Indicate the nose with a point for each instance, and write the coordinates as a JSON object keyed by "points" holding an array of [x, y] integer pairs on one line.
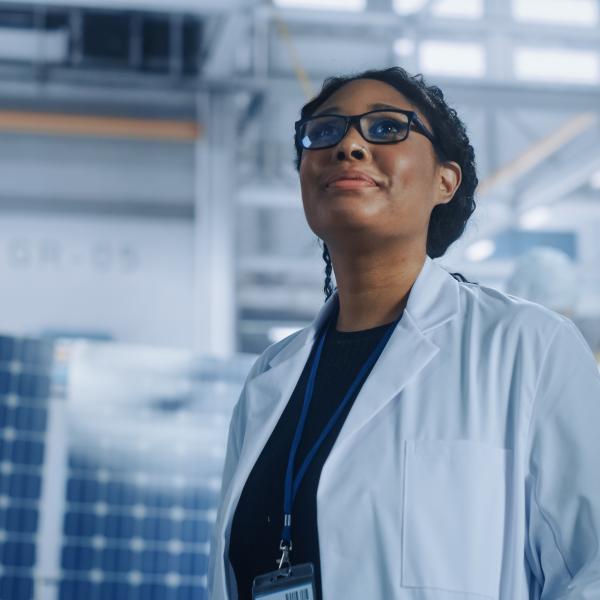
{"points": [[352, 146]]}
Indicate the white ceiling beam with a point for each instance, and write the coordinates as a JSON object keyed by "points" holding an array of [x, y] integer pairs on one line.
{"points": [[538, 152], [562, 180], [190, 6]]}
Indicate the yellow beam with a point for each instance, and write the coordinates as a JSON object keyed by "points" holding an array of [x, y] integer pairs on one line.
{"points": [[98, 126]]}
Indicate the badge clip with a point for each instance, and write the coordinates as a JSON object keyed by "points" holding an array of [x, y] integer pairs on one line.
{"points": [[285, 555]]}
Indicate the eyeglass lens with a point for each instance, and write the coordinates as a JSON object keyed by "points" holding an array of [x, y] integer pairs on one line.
{"points": [[378, 127]]}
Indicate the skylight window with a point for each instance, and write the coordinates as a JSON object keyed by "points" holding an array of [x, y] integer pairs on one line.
{"points": [[563, 12], [466, 9], [452, 58], [407, 7], [345, 5], [557, 65]]}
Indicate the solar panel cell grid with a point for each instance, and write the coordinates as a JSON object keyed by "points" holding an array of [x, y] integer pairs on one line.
{"points": [[21, 486], [33, 385], [25, 384], [22, 452], [23, 418], [18, 519], [16, 587], [29, 385], [109, 590], [17, 554], [7, 348]]}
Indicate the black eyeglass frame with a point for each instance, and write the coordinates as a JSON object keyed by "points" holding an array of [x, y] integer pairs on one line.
{"points": [[414, 123]]}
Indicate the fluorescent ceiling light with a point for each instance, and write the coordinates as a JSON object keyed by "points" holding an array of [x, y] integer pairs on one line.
{"points": [[557, 65], [480, 250], [466, 9], [535, 218], [407, 7], [404, 47], [452, 58], [345, 5], [562, 12]]}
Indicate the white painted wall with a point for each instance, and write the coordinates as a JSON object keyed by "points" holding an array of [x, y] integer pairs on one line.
{"points": [[129, 278], [90, 170]]}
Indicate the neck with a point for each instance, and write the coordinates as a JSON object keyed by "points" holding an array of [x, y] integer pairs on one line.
{"points": [[373, 289]]}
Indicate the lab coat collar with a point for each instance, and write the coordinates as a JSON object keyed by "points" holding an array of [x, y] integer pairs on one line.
{"points": [[433, 300]]}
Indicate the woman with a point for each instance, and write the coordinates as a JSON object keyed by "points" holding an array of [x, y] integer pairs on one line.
{"points": [[424, 438]]}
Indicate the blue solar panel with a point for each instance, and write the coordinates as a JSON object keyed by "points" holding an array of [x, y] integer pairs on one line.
{"points": [[25, 386], [33, 385], [19, 519], [17, 554], [16, 587], [78, 557], [22, 452], [27, 418], [136, 514], [21, 486], [8, 347]]}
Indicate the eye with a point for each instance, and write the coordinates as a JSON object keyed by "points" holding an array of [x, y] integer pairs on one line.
{"points": [[382, 126], [387, 128], [322, 131]]}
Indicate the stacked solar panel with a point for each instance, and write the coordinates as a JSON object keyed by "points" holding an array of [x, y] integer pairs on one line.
{"points": [[147, 431], [134, 540], [110, 462], [25, 387]]}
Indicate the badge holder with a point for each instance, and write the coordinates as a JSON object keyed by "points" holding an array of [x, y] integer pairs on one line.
{"points": [[290, 583]]}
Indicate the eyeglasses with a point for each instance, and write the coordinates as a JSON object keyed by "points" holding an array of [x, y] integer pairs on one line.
{"points": [[382, 126]]}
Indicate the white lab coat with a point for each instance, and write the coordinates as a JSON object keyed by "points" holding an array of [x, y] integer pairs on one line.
{"points": [[468, 467]]}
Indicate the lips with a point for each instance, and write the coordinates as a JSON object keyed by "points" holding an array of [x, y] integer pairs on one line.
{"points": [[350, 180]]}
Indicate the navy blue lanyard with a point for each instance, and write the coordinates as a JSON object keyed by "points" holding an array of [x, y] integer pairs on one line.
{"points": [[293, 483]]}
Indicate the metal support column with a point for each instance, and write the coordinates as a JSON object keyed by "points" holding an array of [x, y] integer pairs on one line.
{"points": [[214, 227]]}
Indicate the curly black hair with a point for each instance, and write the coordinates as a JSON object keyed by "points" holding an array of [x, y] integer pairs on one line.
{"points": [[448, 221]]}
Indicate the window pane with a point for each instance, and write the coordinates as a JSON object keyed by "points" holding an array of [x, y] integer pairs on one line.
{"points": [[557, 64], [452, 58], [564, 12]]}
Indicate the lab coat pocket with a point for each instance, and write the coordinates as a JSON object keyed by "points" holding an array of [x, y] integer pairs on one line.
{"points": [[454, 513]]}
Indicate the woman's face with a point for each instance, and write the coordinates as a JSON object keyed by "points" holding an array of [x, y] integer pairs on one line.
{"points": [[407, 180]]}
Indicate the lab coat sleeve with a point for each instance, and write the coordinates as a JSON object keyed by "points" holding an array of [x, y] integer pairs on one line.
{"points": [[563, 481], [232, 454]]}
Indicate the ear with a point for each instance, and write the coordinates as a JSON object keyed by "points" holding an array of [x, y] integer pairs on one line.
{"points": [[448, 179]]}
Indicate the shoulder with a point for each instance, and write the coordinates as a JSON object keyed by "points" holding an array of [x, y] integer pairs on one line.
{"points": [[498, 310]]}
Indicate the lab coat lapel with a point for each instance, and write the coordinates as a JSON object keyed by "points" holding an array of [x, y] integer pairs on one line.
{"points": [[433, 300], [266, 397]]}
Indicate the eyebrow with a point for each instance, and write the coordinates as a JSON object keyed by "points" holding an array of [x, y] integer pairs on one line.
{"points": [[375, 106]]}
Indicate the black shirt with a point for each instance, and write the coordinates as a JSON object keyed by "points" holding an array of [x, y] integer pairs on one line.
{"points": [[258, 519]]}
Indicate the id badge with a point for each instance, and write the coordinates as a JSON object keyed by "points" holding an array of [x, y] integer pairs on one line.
{"points": [[290, 583]]}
